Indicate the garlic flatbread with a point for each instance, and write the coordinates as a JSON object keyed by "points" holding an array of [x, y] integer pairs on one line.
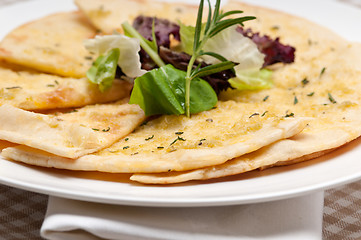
{"points": [[323, 83], [108, 15], [73, 134], [178, 143], [53, 44], [31, 90], [248, 129], [302, 147]]}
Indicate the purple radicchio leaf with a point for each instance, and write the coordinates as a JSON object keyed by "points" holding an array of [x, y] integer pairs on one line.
{"points": [[163, 28], [274, 50]]}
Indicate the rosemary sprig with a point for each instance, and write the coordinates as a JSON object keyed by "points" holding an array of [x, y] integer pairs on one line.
{"points": [[214, 25]]}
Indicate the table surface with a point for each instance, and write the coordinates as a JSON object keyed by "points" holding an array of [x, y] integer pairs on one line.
{"points": [[22, 212]]}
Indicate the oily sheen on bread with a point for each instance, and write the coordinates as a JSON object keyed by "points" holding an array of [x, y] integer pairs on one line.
{"points": [[53, 44], [104, 14], [179, 143], [323, 83], [70, 134], [32, 90], [313, 107]]}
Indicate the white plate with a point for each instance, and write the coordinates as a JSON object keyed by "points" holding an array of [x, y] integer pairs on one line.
{"points": [[340, 167]]}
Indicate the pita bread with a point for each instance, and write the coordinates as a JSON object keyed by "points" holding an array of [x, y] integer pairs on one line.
{"points": [[32, 90], [178, 143], [53, 44], [6, 144], [108, 15], [331, 94], [71, 134], [285, 152], [322, 84]]}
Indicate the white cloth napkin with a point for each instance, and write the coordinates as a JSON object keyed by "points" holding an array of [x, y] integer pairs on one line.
{"points": [[297, 218]]}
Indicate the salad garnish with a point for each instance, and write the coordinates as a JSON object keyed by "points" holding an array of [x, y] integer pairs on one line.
{"points": [[211, 57], [215, 24], [273, 50], [150, 47], [103, 70]]}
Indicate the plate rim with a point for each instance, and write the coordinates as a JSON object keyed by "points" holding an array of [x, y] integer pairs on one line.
{"points": [[217, 201]]}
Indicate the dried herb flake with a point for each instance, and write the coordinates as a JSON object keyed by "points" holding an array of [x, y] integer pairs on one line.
{"points": [[254, 114], [305, 81], [289, 115], [176, 140], [106, 130], [15, 87], [201, 141], [295, 100], [151, 137], [331, 98]]}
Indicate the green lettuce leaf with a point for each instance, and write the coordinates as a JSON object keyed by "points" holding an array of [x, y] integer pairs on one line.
{"points": [[128, 61], [103, 70], [187, 38], [252, 80], [162, 91]]}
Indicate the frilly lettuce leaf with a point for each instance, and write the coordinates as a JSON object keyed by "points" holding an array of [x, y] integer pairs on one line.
{"points": [[129, 60], [236, 48], [103, 70], [252, 80]]}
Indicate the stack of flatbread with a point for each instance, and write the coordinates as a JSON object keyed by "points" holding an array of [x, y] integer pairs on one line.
{"points": [[58, 119]]}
